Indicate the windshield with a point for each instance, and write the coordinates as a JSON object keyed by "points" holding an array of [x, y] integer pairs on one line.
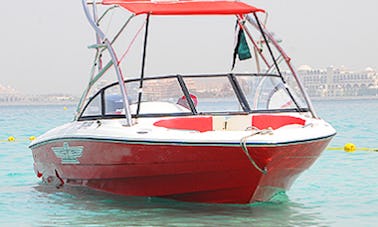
{"points": [[192, 94]]}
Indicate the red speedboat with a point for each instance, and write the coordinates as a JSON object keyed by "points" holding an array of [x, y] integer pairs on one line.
{"points": [[232, 137]]}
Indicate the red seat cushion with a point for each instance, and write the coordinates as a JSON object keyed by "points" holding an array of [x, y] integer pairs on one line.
{"points": [[201, 124], [275, 121]]}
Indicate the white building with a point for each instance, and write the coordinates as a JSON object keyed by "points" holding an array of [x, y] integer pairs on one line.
{"points": [[9, 94], [333, 82]]}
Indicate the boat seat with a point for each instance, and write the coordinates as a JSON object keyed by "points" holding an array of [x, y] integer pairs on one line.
{"points": [[209, 123], [201, 124], [275, 121]]}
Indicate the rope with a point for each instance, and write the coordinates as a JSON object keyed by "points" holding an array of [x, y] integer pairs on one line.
{"points": [[131, 43], [350, 148], [243, 144]]}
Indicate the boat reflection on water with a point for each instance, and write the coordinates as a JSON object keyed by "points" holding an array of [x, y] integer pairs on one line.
{"points": [[135, 210]]}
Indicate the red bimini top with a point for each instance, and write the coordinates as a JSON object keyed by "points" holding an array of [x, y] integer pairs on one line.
{"points": [[184, 7]]}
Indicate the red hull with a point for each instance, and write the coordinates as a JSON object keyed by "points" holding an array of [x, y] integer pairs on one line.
{"points": [[200, 173]]}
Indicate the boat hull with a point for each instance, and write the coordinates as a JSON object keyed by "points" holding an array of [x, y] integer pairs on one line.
{"points": [[211, 173]]}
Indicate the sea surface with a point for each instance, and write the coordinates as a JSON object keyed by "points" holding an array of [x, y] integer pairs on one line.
{"points": [[340, 189]]}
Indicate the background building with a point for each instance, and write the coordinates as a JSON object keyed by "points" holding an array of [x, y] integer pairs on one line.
{"points": [[9, 94], [335, 82]]}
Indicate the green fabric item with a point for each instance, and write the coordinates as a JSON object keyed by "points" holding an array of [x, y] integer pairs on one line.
{"points": [[243, 49]]}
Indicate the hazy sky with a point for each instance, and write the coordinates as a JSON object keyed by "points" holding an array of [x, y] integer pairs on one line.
{"points": [[44, 42]]}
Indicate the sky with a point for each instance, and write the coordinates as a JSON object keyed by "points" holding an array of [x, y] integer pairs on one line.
{"points": [[44, 42]]}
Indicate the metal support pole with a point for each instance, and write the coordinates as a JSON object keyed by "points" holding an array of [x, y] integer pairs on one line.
{"points": [[240, 22], [274, 60], [113, 56], [267, 45], [140, 92], [287, 60]]}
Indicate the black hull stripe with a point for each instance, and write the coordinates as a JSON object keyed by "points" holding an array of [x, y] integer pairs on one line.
{"points": [[177, 143]]}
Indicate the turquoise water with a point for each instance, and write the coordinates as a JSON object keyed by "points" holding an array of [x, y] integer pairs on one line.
{"points": [[341, 189]]}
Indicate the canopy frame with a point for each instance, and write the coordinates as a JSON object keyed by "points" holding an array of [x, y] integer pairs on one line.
{"points": [[103, 43]]}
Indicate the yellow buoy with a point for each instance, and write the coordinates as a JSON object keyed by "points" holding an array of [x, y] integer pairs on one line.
{"points": [[11, 139], [31, 138], [349, 147], [64, 108]]}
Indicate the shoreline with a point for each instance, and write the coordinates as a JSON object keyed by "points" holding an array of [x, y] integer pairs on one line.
{"points": [[39, 104], [344, 98], [72, 103]]}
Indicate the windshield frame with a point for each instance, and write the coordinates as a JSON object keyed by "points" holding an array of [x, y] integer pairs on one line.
{"points": [[232, 78]]}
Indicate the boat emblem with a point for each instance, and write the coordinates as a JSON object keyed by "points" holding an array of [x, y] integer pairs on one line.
{"points": [[69, 155]]}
